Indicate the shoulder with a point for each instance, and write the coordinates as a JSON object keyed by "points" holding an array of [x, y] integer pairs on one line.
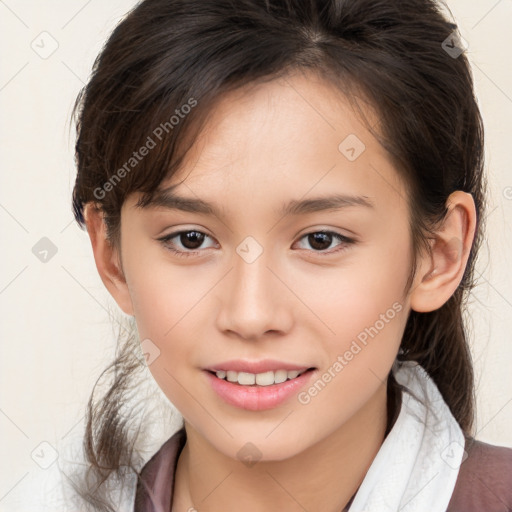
{"points": [[485, 479]]}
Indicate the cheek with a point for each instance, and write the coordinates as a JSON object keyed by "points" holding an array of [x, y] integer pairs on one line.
{"points": [[164, 295], [366, 318], [161, 311], [167, 302], [360, 307]]}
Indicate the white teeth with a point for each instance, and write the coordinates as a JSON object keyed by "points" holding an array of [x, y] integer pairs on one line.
{"points": [[246, 379], [261, 379], [280, 376], [265, 379], [232, 376]]}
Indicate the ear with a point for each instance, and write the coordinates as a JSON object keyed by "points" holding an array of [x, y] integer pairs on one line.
{"points": [[107, 258], [440, 272]]}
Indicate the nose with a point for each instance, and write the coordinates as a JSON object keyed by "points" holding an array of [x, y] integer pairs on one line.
{"points": [[253, 300]]}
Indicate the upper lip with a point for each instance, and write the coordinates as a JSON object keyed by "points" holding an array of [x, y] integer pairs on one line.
{"points": [[266, 365]]}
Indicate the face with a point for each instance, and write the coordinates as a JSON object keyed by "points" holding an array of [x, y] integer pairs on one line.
{"points": [[319, 286]]}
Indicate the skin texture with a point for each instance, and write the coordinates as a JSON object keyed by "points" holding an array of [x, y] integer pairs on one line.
{"points": [[262, 147]]}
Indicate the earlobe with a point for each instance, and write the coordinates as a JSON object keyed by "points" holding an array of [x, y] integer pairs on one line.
{"points": [[107, 258], [442, 270]]}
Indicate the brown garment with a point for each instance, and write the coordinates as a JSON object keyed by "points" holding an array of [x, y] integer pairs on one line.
{"points": [[157, 475], [484, 483]]}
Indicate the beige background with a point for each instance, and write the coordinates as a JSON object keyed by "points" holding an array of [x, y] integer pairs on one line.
{"points": [[56, 332]]}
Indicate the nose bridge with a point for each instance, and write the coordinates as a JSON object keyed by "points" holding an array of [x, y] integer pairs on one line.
{"points": [[251, 280], [252, 283], [252, 301]]}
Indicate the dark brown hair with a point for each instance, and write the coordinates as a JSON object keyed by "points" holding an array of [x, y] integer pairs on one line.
{"points": [[390, 55]]}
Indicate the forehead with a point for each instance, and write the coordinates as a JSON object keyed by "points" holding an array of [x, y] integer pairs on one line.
{"points": [[286, 139]]}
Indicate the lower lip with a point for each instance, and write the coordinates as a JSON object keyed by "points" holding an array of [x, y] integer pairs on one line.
{"points": [[257, 398]]}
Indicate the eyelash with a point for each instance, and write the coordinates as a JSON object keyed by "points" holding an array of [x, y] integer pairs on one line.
{"points": [[345, 242]]}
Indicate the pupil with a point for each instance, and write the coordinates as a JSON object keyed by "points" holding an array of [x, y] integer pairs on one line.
{"points": [[193, 237], [316, 238]]}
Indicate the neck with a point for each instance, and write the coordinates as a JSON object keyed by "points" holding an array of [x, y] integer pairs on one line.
{"points": [[330, 471]]}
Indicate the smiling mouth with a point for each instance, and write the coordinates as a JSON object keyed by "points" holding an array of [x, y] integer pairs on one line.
{"points": [[269, 378]]}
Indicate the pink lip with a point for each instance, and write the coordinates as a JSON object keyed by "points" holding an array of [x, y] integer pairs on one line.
{"points": [[257, 398], [266, 365]]}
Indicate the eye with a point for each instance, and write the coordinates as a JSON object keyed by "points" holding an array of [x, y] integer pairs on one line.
{"points": [[188, 242], [321, 240]]}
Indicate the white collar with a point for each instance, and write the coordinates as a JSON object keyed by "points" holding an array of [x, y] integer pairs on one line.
{"points": [[418, 463]]}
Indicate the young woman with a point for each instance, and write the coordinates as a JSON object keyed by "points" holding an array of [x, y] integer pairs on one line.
{"points": [[288, 198]]}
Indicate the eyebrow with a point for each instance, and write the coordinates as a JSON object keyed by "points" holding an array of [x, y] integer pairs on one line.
{"points": [[170, 200]]}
